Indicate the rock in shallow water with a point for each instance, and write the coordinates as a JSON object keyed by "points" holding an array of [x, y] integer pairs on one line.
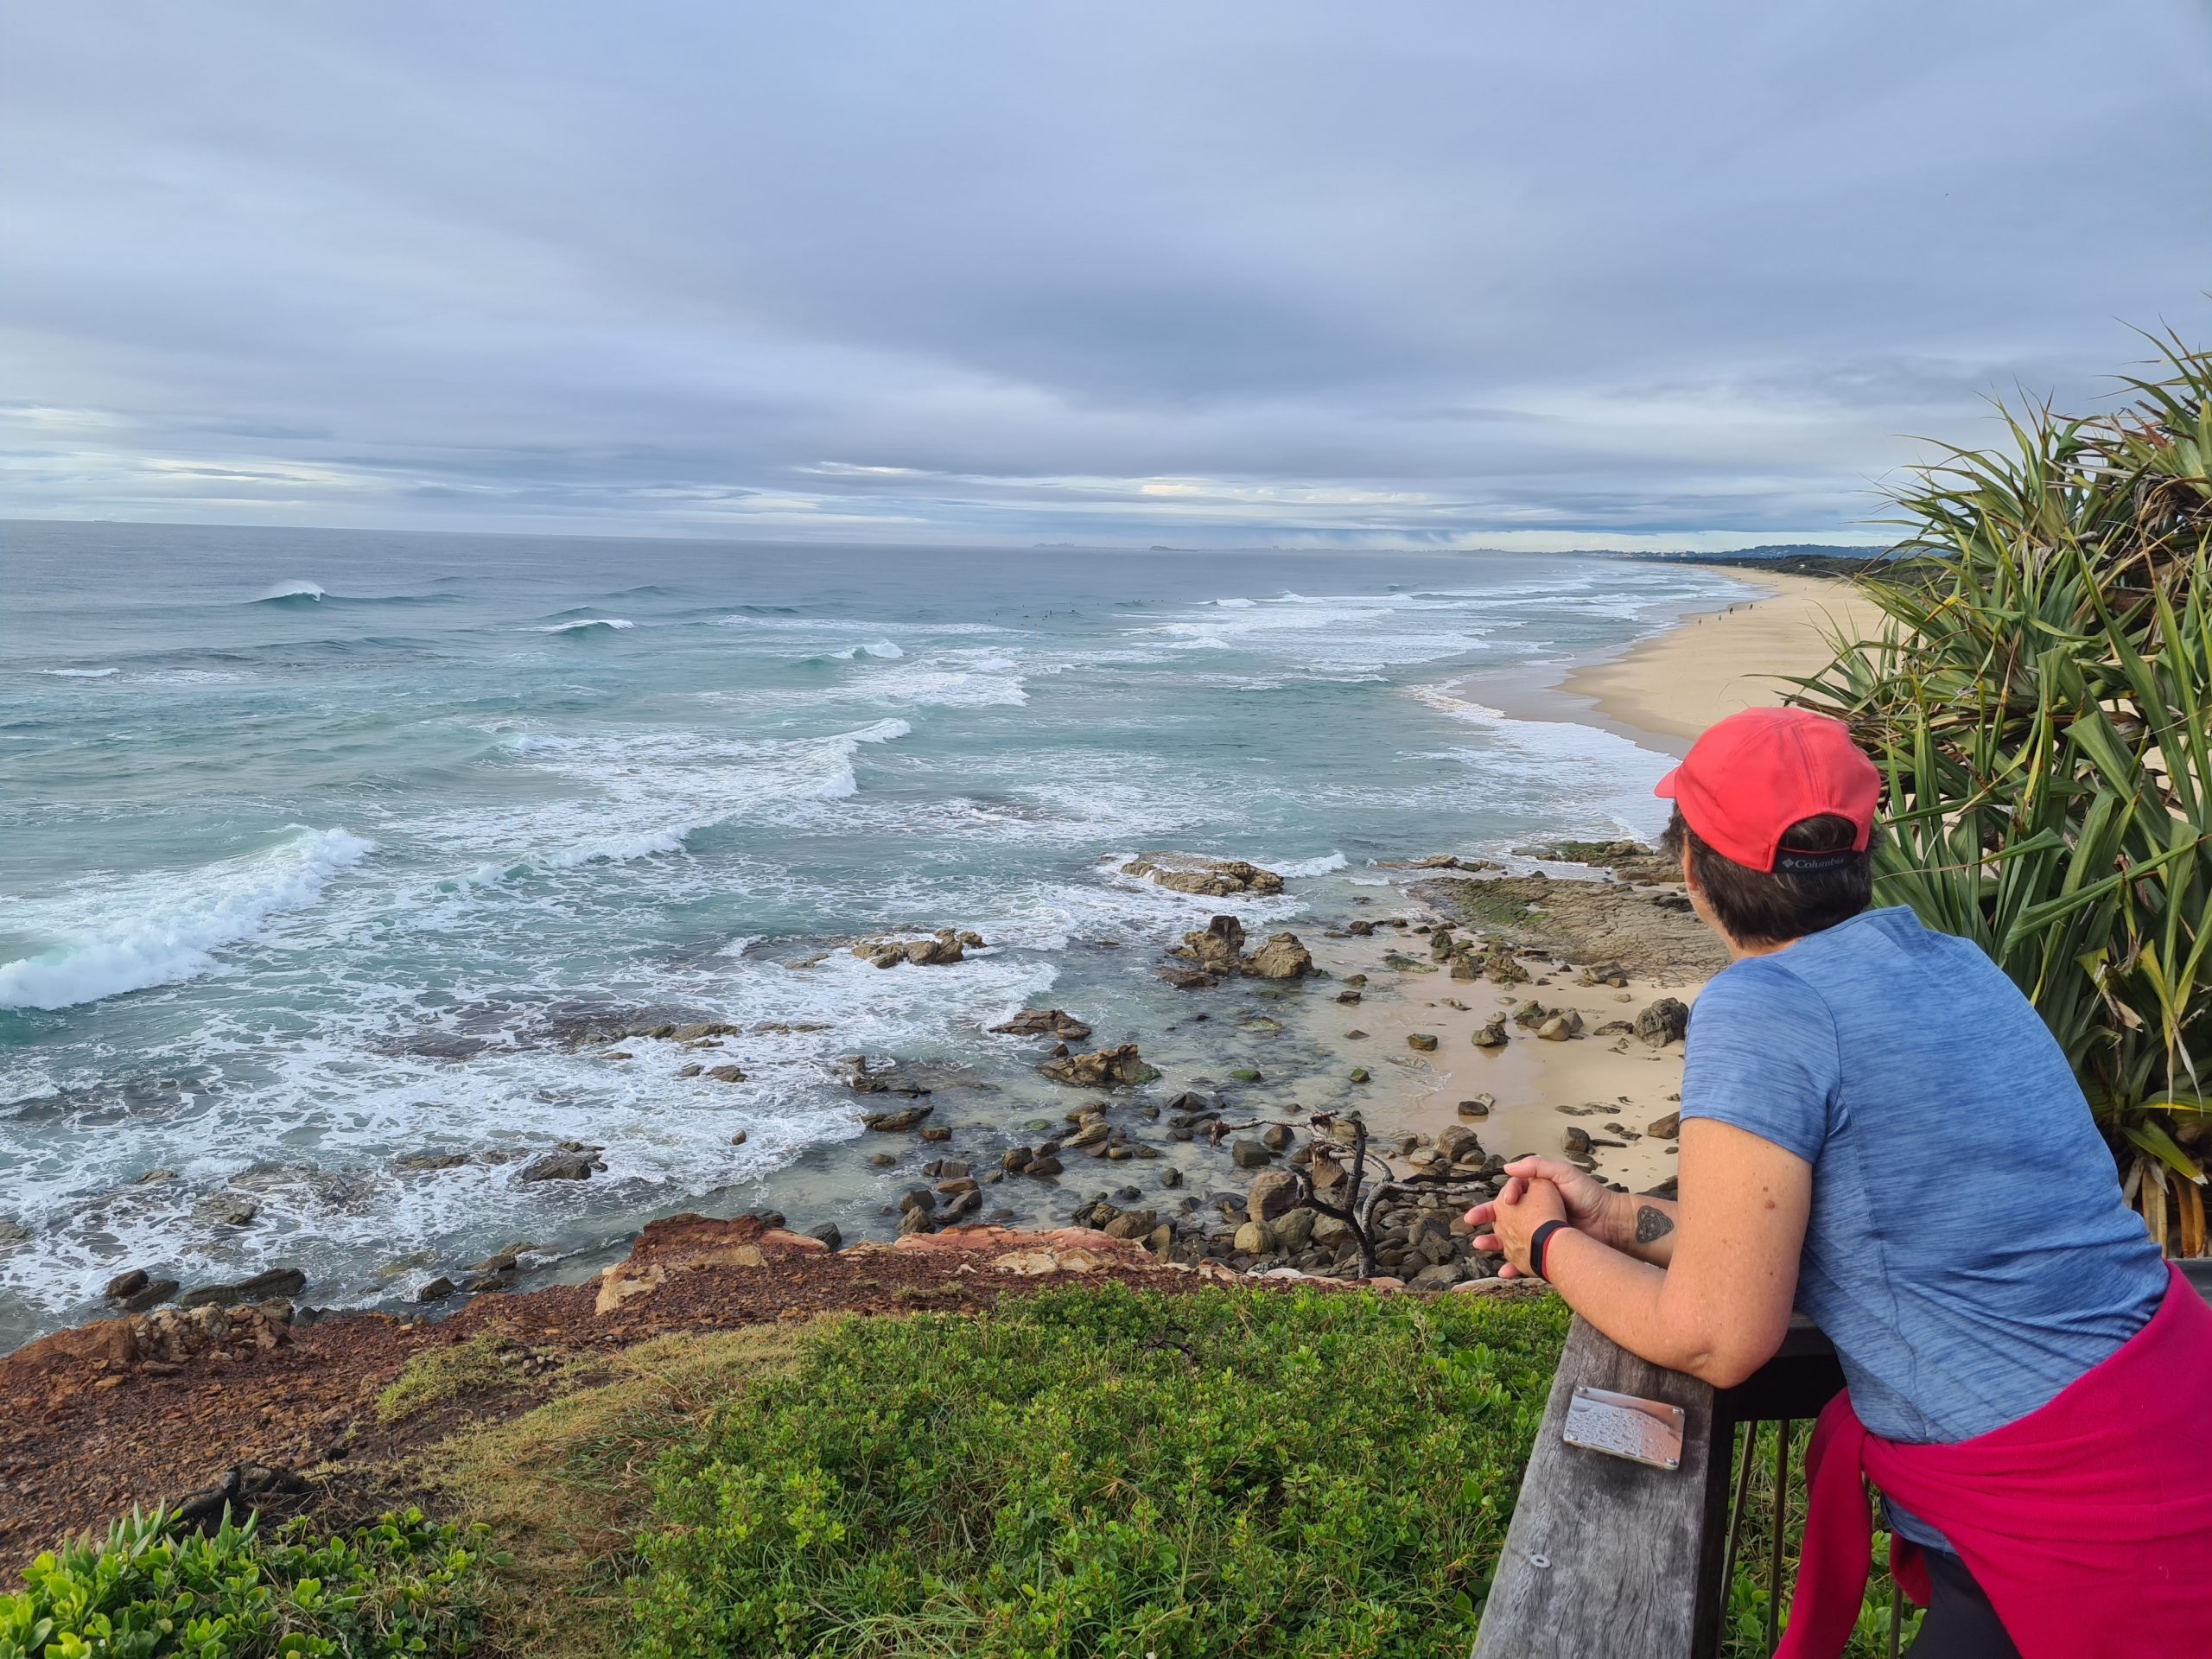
{"points": [[1102, 1069], [1212, 877], [562, 1167], [1281, 957], [1056, 1023]]}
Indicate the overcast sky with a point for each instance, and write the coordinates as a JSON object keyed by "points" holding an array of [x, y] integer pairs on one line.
{"points": [[1194, 273]]}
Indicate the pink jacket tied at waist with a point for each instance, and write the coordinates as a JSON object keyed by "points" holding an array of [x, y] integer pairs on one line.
{"points": [[2088, 1522]]}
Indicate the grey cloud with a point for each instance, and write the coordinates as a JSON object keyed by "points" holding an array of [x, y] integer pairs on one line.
{"points": [[1139, 272]]}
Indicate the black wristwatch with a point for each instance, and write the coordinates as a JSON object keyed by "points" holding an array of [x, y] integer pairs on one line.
{"points": [[1538, 1241]]}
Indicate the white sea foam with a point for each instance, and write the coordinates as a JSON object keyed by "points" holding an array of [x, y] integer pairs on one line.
{"points": [[886, 649], [970, 680], [616, 623], [157, 930], [78, 673], [291, 590], [1570, 769], [646, 793], [1320, 866]]}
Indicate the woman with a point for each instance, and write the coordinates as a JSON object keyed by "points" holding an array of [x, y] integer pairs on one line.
{"points": [[1877, 1128]]}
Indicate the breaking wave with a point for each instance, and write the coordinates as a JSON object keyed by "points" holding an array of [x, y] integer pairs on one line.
{"points": [[162, 929]]}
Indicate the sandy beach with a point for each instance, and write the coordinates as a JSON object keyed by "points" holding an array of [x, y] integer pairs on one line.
{"points": [[1608, 1084], [1713, 665]]}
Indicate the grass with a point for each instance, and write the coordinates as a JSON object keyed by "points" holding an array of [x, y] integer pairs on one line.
{"points": [[1107, 1471], [1743, 1631], [562, 1485], [442, 1375]]}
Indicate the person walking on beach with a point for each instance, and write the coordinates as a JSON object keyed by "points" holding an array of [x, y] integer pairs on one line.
{"points": [[1878, 1128]]}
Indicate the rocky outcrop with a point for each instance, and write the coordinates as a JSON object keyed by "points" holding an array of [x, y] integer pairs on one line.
{"points": [[945, 946], [1216, 878], [161, 1343], [1645, 930], [569, 1164], [689, 1244], [1105, 1068], [1055, 1023], [893, 1122], [1281, 957], [1219, 949]]}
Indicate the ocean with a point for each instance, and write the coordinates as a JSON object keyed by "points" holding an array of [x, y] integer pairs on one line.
{"points": [[320, 850]]}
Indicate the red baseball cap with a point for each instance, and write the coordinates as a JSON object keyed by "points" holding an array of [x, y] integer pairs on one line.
{"points": [[1751, 777]]}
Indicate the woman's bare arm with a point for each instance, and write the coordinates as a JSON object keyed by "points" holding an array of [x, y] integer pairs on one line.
{"points": [[1720, 1307]]}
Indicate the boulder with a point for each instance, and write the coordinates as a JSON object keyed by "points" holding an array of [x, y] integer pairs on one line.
{"points": [[1576, 1143], [276, 1281], [1255, 1238], [1250, 1155], [153, 1293], [1665, 1128], [1276, 1137], [1456, 1141], [1421, 1041], [1281, 957], [946, 946], [1272, 1193], [1294, 1228], [1491, 1035], [562, 1167], [1056, 1023], [726, 1074], [1215, 878], [1102, 1069], [1442, 1275], [1043, 1168], [1565, 1024], [1667, 1020], [892, 1122], [1218, 949], [1478, 1107]]}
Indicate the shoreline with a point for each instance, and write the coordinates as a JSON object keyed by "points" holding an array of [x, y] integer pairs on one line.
{"points": [[1671, 685], [1538, 1092]]}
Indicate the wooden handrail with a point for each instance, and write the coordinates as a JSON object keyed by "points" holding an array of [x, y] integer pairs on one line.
{"points": [[1610, 1558]]}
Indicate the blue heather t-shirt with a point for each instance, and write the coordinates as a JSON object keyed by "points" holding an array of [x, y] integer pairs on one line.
{"points": [[1967, 1251]]}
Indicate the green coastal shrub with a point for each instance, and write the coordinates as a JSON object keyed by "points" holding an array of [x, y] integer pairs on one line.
{"points": [[2041, 706], [400, 1587], [1110, 1471]]}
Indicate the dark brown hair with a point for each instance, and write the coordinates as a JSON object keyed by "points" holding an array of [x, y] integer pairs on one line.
{"points": [[1773, 908]]}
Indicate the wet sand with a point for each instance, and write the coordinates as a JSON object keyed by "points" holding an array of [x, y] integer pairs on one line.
{"points": [[1713, 665]]}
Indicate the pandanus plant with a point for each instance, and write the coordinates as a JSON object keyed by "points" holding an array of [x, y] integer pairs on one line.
{"points": [[2038, 702]]}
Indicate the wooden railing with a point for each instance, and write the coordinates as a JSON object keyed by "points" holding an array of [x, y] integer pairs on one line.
{"points": [[1610, 1559]]}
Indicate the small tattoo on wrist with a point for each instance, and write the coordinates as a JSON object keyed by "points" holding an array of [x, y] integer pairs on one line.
{"points": [[1652, 1225]]}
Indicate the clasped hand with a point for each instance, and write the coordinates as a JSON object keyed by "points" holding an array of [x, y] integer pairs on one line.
{"points": [[1538, 1190]]}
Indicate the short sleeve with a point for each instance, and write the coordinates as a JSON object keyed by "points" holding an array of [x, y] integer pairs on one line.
{"points": [[1762, 1056]]}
